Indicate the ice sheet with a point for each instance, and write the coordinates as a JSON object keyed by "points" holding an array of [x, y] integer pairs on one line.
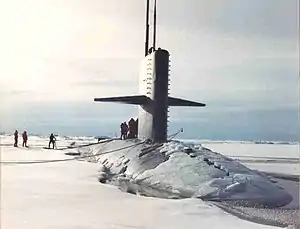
{"points": [[67, 196]]}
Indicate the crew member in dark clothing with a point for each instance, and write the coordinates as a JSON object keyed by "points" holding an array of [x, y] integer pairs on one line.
{"points": [[52, 140], [124, 130], [136, 127], [25, 138], [131, 124], [16, 135]]}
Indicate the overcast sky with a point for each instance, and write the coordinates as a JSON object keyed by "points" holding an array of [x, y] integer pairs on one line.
{"points": [[227, 53]]}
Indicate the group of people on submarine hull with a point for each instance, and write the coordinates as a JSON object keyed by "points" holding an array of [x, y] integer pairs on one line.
{"points": [[129, 130]]}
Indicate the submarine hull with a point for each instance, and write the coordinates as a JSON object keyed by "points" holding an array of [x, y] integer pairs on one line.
{"points": [[187, 171]]}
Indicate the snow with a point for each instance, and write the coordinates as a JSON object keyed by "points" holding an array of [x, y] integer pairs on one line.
{"points": [[282, 160], [68, 195], [207, 175], [273, 158], [255, 150]]}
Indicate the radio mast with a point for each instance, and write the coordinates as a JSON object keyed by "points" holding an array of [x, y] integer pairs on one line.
{"points": [[147, 29], [154, 26]]}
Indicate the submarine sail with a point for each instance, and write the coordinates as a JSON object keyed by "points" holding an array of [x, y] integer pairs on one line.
{"points": [[153, 98]]}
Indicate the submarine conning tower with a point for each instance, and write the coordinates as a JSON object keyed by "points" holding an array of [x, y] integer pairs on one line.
{"points": [[153, 98], [154, 83]]}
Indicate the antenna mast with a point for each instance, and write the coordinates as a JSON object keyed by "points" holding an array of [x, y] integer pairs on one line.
{"points": [[147, 29], [154, 26]]}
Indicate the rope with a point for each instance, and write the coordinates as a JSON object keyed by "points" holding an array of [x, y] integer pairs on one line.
{"points": [[170, 137], [80, 146], [71, 159], [81, 157]]}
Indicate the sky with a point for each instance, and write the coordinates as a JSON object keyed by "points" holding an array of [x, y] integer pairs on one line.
{"points": [[240, 57]]}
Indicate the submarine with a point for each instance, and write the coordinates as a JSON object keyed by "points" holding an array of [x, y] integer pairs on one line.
{"points": [[154, 165], [154, 99]]}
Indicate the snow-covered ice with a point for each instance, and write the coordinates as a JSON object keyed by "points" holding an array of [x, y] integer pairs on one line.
{"points": [[205, 174], [67, 195], [277, 158]]}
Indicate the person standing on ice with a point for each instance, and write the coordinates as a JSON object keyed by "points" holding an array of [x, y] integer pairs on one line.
{"points": [[16, 135], [25, 138], [52, 140]]}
